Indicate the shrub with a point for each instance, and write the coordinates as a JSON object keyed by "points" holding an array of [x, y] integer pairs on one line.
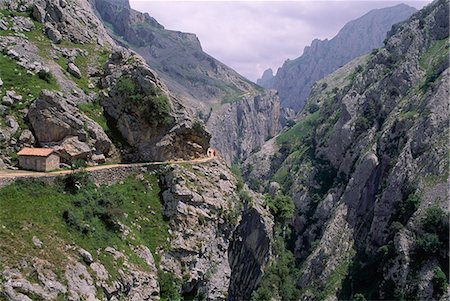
{"points": [[361, 124], [440, 283], [428, 243], [433, 218], [313, 108], [359, 297], [198, 126], [45, 76], [290, 123], [126, 85], [407, 207], [169, 286], [75, 181], [282, 207], [152, 106], [359, 69]]}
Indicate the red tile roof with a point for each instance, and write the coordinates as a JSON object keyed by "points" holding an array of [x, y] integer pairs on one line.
{"points": [[36, 152]]}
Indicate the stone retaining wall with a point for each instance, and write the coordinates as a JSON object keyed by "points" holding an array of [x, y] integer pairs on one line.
{"points": [[104, 176]]}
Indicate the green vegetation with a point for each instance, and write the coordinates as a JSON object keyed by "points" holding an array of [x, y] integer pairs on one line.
{"points": [[169, 286], [434, 62], [28, 85], [281, 206], [152, 105], [300, 132], [280, 277], [440, 283], [428, 243], [95, 112], [94, 56], [75, 211], [435, 54]]}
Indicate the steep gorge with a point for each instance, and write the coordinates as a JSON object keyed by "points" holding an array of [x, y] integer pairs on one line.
{"points": [[367, 167]]}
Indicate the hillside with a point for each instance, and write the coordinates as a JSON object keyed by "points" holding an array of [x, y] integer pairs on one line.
{"points": [[367, 167], [294, 79], [132, 232], [219, 95]]}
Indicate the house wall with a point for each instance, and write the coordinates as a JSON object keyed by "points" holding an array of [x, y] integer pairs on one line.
{"points": [[39, 163], [52, 162]]}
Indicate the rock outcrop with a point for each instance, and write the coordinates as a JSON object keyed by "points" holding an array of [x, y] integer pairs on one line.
{"points": [[206, 250], [367, 167], [242, 127], [147, 124], [209, 87], [57, 122], [294, 79]]}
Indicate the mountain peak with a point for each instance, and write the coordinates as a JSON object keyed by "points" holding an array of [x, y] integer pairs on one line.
{"points": [[295, 78]]}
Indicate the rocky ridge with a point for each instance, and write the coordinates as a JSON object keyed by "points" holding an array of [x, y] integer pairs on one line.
{"points": [[211, 89], [367, 167], [294, 79]]}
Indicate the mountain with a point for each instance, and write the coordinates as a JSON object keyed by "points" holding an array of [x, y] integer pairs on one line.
{"points": [[294, 79], [367, 166], [267, 79], [211, 88], [146, 231]]}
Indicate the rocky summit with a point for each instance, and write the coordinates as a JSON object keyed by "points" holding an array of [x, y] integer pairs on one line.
{"points": [[294, 79], [179, 179]]}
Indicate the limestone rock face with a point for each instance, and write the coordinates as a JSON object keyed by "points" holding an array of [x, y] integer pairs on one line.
{"points": [[204, 210], [58, 123], [172, 134], [373, 137], [267, 79], [241, 127], [295, 78], [249, 252]]}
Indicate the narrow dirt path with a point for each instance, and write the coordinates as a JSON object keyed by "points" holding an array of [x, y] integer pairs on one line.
{"points": [[23, 173]]}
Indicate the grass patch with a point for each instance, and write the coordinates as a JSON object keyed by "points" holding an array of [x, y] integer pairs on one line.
{"points": [[434, 55], [95, 112], [16, 78], [75, 211], [300, 131]]}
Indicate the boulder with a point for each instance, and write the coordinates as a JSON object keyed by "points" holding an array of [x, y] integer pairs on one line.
{"points": [[3, 109], [3, 25], [72, 149], [87, 257], [12, 124], [7, 101], [98, 158], [53, 34], [73, 69], [27, 137], [11, 94], [54, 118], [38, 13], [37, 242]]}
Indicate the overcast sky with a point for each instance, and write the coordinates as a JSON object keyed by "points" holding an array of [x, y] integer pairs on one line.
{"points": [[251, 36]]}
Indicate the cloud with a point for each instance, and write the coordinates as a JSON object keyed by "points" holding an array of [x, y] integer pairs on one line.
{"points": [[251, 36]]}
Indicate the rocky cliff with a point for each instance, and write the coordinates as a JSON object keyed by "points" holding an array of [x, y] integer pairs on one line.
{"points": [[145, 232], [221, 97], [170, 233], [294, 79], [65, 84], [367, 167]]}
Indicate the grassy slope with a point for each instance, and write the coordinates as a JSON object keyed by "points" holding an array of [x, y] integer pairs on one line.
{"points": [[33, 208]]}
